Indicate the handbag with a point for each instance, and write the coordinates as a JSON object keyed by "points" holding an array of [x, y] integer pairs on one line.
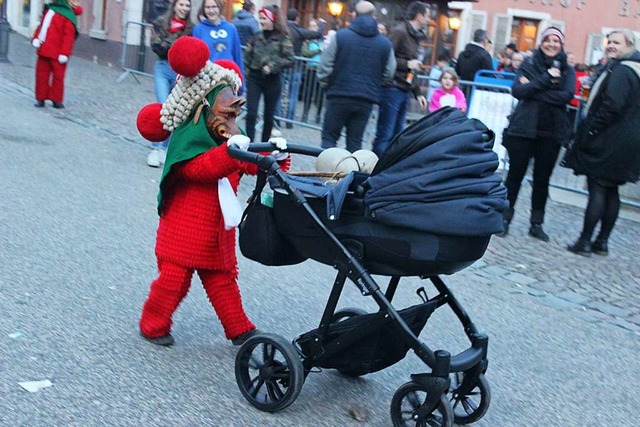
{"points": [[259, 237]]}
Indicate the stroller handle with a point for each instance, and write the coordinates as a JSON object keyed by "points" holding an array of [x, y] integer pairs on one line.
{"points": [[257, 150]]}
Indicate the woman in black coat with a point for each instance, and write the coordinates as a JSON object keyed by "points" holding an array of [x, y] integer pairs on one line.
{"points": [[539, 125], [607, 147]]}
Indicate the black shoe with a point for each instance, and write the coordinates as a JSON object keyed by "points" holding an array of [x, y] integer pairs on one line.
{"points": [[39, 104], [581, 247], [58, 105], [165, 340], [600, 247], [289, 125], [505, 229], [242, 338], [537, 232]]}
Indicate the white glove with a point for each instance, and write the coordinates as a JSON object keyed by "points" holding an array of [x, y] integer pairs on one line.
{"points": [[36, 43], [240, 141], [63, 59], [279, 142]]}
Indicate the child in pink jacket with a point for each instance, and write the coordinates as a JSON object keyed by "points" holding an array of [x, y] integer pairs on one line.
{"points": [[449, 95]]}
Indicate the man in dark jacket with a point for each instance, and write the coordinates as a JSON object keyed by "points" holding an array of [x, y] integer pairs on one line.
{"points": [[474, 57], [405, 38], [352, 70], [246, 23], [607, 147]]}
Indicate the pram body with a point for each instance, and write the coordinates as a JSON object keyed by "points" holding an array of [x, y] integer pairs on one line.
{"points": [[341, 228]]}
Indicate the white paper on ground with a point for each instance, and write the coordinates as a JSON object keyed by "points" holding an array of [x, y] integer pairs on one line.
{"points": [[35, 386]]}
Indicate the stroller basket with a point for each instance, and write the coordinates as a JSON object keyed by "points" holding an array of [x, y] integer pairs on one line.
{"points": [[366, 343]]}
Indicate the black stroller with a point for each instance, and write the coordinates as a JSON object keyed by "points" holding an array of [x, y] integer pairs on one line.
{"points": [[366, 224]]}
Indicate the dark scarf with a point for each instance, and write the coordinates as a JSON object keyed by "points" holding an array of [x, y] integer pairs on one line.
{"points": [[63, 8]]}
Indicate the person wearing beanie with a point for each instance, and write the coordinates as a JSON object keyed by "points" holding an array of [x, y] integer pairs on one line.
{"points": [[607, 146], [197, 204], [54, 39], [539, 125]]}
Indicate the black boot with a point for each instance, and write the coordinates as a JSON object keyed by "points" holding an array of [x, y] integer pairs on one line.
{"points": [[58, 105], [581, 247], [536, 231], [164, 341], [600, 247], [39, 104], [506, 220]]}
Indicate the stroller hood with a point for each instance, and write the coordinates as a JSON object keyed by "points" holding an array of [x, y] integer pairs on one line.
{"points": [[438, 175]]}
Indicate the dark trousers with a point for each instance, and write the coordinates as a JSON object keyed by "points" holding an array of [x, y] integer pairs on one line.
{"points": [[545, 154], [345, 112], [258, 85], [603, 208]]}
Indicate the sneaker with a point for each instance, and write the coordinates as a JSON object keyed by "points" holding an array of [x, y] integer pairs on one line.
{"points": [[289, 125], [153, 159], [600, 247], [537, 232], [58, 105], [581, 247], [242, 338], [39, 104], [163, 156], [164, 341]]}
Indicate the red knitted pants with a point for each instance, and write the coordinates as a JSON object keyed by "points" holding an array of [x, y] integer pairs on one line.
{"points": [[49, 79], [168, 290]]}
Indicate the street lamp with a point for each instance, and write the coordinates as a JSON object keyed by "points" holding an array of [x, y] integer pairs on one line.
{"points": [[335, 8], [454, 22], [5, 29]]}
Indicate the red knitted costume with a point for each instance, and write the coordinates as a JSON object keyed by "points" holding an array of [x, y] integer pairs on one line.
{"points": [[192, 236], [55, 36]]}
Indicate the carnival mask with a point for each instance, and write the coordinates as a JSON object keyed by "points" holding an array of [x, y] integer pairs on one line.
{"points": [[221, 121]]}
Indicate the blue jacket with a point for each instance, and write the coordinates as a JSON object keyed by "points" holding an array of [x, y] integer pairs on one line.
{"points": [[438, 176], [222, 39], [357, 61], [247, 26]]}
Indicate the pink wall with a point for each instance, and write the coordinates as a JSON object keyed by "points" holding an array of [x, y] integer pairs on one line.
{"points": [[580, 17]]}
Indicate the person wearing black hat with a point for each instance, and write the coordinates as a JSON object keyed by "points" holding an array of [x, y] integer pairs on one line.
{"points": [[510, 49], [474, 57]]}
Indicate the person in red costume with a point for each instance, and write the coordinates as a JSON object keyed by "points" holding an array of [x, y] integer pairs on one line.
{"points": [[197, 198], [54, 39]]}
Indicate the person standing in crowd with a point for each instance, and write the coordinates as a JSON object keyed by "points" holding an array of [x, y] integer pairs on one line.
{"points": [[383, 28], [246, 24], [449, 94], [516, 61], [293, 79], [475, 56], [405, 38], [220, 36], [539, 125], [166, 30], [607, 147], [352, 69], [510, 49], [435, 73], [54, 39], [312, 49], [266, 56]]}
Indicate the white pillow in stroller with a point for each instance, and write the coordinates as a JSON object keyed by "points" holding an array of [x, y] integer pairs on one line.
{"points": [[340, 160]]}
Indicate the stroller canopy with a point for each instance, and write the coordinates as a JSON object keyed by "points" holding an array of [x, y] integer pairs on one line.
{"points": [[438, 175]]}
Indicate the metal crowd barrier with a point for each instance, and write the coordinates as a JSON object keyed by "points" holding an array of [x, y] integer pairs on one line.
{"points": [[137, 58]]}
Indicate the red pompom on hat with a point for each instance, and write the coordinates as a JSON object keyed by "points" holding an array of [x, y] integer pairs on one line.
{"points": [[230, 65], [149, 124], [188, 55], [78, 10]]}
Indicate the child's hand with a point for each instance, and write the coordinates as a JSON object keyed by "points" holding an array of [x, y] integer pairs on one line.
{"points": [[240, 141]]}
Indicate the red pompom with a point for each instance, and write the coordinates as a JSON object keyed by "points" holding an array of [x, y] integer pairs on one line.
{"points": [[188, 55], [78, 10], [149, 125], [230, 65]]}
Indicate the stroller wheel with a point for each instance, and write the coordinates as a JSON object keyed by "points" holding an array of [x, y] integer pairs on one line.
{"points": [[269, 372], [469, 402], [346, 313], [408, 398]]}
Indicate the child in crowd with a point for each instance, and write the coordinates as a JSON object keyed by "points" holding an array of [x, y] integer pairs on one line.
{"points": [[449, 95]]}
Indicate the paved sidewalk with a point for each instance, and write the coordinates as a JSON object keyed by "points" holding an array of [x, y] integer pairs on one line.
{"points": [[598, 289]]}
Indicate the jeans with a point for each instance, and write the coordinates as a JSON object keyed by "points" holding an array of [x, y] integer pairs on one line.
{"points": [[292, 80], [544, 153], [257, 85], [345, 112], [391, 117], [164, 79]]}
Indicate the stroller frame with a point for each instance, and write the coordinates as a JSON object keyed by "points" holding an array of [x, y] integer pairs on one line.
{"points": [[434, 407]]}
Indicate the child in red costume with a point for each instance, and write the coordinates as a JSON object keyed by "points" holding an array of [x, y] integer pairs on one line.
{"points": [[54, 39], [194, 234]]}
